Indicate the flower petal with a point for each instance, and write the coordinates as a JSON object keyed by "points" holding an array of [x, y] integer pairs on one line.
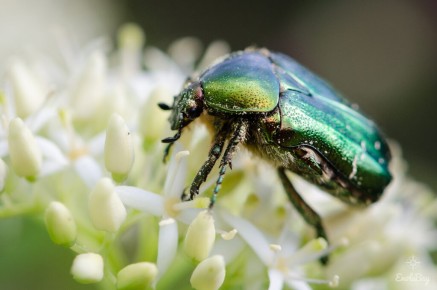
{"points": [[253, 237], [54, 159], [89, 170], [177, 172], [276, 280], [139, 199], [167, 244]]}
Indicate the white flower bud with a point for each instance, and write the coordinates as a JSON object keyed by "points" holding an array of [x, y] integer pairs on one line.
{"points": [[29, 92], [130, 36], [209, 274], [60, 224], [152, 121], [106, 209], [88, 92], [26, 157], [87, 268], [137, 276], [3, 174], [119, 151], [185, 51], [118, 101], [213, 51], [200, 236]]}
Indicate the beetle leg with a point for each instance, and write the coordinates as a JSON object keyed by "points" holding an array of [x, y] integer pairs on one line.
{"points": [[237, 137], [170, 141], [166, 151], [214, 154], [310, 216]]}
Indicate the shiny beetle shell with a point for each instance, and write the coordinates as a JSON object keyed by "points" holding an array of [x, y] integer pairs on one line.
{"points": [[287, 115]]}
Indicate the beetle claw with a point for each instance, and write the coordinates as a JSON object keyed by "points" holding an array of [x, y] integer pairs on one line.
{"points": [[172, 139], [184, 195], [166, 151], [169, 140]]}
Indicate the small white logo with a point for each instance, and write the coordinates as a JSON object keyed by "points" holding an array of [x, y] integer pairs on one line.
{"points": [[412, 276], [413, 262]]}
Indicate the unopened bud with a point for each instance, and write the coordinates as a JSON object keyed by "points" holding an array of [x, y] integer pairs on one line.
{"points": [[106, 209], [152, 119], [29, 92], [119, 151], [60, 224], [137, 276], [131, 37], [3, 174], [209, 274], [88, 92], [200, 236], [87, 268], [26, 157]]}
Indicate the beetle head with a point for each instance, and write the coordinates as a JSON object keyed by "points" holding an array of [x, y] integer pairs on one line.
{"points": [[187, 106]]}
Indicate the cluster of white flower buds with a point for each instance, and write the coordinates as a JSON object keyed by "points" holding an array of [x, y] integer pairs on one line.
{"points": [[106, 211]]}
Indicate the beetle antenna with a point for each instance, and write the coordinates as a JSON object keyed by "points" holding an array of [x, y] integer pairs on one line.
{"points": [[165, 107]]}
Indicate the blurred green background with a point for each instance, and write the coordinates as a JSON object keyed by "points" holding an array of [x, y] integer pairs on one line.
{"points": [[380, 54]]}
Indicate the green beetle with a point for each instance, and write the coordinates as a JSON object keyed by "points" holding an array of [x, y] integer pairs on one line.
{"points": [[285, 114]]}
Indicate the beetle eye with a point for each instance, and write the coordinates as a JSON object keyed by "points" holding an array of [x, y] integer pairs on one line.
{"points": [[193, 112]]}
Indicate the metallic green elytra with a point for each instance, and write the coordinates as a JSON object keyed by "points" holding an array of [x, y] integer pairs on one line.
{"points": [[288, 116]]}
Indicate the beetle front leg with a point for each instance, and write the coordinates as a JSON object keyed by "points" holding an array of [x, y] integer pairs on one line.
{"points": [[309, 215], [237, 136], [214, 154]]}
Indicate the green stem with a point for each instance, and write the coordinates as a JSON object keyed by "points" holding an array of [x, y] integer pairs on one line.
{"points": [[10, 209]]}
